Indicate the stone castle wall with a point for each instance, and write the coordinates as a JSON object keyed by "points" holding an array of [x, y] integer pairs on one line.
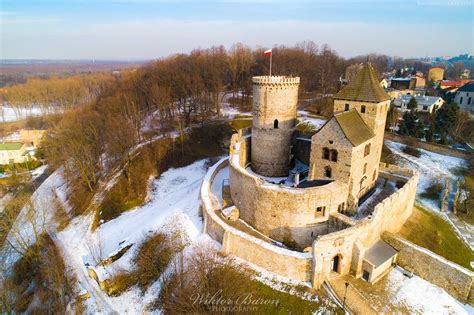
{"points": [[285, 214], [274, 115], [456, 280], [287, 263], [351, 243]]}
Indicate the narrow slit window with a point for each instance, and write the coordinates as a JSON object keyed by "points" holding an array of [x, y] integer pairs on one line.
{"points": [[328, 172]]}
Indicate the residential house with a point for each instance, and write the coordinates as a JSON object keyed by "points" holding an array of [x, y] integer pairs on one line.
{"points": [[464, 97], [425, 103], [435, 74], [13, 152], [403, 83]]}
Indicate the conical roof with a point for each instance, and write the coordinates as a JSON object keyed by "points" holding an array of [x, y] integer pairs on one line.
{"points": [[364, 88]]}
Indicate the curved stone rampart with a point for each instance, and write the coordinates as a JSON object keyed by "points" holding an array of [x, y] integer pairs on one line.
{"points": [[284, 262]]}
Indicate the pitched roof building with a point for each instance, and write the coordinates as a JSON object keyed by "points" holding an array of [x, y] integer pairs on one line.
{"points": [[354, 127], [464, 97], [12, 152], [365, 87]]}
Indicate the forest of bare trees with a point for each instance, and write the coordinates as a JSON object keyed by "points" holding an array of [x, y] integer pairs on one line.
{"points": [[177, 91], [56, 94]]}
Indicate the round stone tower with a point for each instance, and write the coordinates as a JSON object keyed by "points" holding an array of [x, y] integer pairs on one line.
{"points": [[274, 117]]}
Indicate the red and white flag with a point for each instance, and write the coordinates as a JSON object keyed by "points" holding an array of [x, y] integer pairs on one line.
{"points": [[267, 52]]}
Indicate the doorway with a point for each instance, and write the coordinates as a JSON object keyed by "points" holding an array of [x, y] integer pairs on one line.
{"points": [[366, 275]]}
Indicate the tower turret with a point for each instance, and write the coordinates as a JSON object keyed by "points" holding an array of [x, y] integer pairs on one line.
{"points": [[274, 115]]}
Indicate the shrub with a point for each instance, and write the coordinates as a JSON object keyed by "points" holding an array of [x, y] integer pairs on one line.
{"points": [[39, 276], [131, 187], [433, 191], [412, 151], [120, 282], [153, 257]]}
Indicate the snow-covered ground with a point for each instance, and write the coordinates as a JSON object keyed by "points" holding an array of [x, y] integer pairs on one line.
{"points": [[35, 218], [11, 137], [8, 114], [432, 167], [173, 205], [422, 297], [305, 116]]}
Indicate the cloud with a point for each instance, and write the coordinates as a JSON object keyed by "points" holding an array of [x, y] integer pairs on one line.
{"points": [[28, 20]]}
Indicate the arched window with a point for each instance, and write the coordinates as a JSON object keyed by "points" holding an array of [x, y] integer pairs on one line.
{"points": [[275, 124], [334, 156], [365, 168], [326, 153], [367, 149], [362, 109], [374, 175], [328, 172]]}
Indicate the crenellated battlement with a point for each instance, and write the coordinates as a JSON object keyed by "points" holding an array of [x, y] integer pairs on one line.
{"points": [[275, 80]]}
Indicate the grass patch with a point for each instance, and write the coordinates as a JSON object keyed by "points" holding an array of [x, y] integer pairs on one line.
{"points": [[432, 232], [20, 167], [189, 288], [465, 204]]}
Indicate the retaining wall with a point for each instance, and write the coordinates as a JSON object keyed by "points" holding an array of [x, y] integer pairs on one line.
{"points": [[434, 147], [453, 278]]}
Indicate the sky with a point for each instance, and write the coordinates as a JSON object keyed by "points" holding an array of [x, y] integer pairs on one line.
{"points": [[150, 29]]}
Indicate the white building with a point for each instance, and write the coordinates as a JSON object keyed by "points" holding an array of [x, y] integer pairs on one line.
{"points": [[13, 152], [464, 97], [425, 103]]}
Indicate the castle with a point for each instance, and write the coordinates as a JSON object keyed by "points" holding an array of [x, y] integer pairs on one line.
{"points": [[310, 206]]}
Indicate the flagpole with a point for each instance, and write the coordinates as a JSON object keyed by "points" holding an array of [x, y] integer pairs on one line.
{"points": [[271, 54]]}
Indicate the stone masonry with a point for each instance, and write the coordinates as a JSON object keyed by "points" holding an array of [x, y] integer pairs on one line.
{"points": [[274, 117]]}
